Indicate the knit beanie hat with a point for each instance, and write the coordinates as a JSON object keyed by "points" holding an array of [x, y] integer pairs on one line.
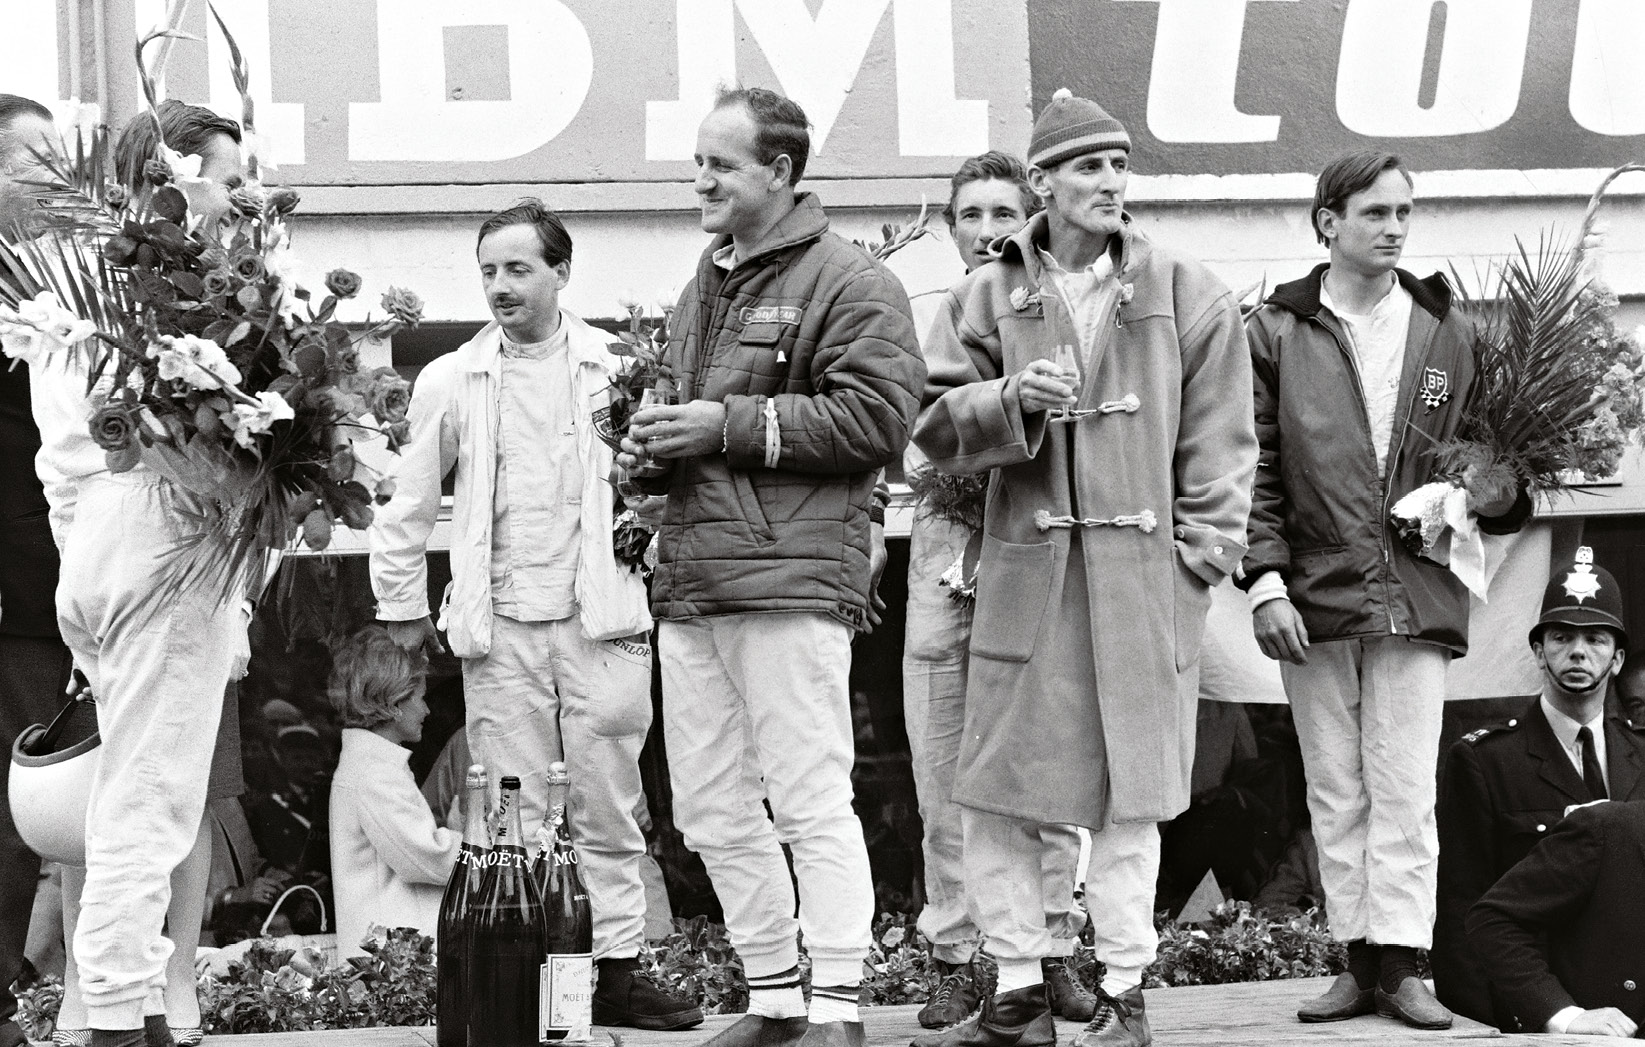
{"points": [[1071, 127]]}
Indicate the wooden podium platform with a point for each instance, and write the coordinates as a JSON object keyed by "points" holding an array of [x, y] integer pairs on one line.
{"points": [[1257, 1014]]}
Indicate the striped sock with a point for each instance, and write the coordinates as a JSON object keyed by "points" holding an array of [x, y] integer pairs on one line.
{"points": [[835, 1003], [776, 995]]}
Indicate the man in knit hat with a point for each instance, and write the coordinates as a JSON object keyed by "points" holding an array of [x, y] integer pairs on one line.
{"points": [[1102, 380]]}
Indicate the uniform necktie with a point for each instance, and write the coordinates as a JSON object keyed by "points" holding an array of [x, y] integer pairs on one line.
{"points": [[1591, 773]]}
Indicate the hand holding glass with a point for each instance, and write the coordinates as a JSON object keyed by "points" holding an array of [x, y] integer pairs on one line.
{"points": [[1067, 361], [653, 397]]}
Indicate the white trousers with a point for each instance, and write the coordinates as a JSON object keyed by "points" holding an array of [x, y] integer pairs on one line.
{"points": [[756, 709], [1004, 875], [157, 656], [547, 692], [1368, 715], [933, 686]]}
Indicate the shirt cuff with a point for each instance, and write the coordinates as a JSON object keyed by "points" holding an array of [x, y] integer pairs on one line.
{"points": [[1269, 586], [1562, 1021]]}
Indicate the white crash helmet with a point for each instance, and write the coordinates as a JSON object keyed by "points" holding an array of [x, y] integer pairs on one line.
{"points": [[50, 789]]}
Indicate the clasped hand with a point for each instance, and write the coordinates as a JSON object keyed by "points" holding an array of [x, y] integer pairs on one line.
{"points": [[674, 431]]}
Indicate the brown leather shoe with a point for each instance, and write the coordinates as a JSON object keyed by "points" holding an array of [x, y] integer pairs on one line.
{"points": [[1414, 1005], [754, 1030], [1343, 1000], [1120, 1021], [1019, 1018]]}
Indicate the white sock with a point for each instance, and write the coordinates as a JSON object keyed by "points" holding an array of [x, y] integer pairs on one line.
{"points": [[1018, 974], [776, 995], [1117, 981], [834, 1003]]}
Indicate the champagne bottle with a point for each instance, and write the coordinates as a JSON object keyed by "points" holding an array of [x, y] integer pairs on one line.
{"points": [[507, 940], [457, 910], [567, 1008]]}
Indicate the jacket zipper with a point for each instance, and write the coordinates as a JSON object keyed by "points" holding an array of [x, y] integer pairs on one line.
{"points": [[1382, 482], [1393, 459]]}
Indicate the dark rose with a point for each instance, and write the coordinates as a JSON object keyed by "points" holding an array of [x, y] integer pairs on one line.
{"points": [[389, 396], [345, 359], [249, 200], [113, 427], [115, 195], [284, 199], [157, 172], [403, 305], [343, 283], [217, 282], [249, 267]]}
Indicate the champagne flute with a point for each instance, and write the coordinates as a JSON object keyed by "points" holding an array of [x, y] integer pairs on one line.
{"points": [[1068, 362], [655, 395]]}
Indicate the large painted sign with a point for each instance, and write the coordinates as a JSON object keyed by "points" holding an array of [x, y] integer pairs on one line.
{"points": [[369, 92], [1218, 87]]}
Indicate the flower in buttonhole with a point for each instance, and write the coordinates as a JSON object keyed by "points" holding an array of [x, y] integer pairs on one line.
{"points": [[39, 326], [1127, 292], [249, 420], [1019, 298], [198, 363]]}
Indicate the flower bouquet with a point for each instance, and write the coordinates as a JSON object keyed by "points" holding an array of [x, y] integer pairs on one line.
{"points": [[641, 346], [204, 359], [1555, 400]]}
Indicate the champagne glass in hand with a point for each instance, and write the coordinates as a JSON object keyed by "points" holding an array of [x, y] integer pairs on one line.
{"points": [[654, 396], [1067, 361]]}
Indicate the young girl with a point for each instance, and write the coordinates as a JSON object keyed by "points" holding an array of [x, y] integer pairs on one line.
{"points": [[389, 861]]}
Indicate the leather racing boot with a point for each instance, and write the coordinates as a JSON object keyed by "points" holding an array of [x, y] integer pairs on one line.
{"points": [[1019, 1018], [1120, 1021]]}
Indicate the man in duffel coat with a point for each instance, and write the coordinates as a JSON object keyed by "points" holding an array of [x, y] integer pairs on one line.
{"points": [[1103, 535], [1563, 932], [1506, 787]]}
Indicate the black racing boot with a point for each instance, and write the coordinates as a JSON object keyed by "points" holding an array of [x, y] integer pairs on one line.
{"points": [[1019, 1018], [1068, 995], [954, 999], [1120, 1021], [626, 995]]}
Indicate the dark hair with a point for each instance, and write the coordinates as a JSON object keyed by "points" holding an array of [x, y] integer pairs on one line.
{"points": [[187, 129], [1347, 175], [780, 126], [992, 166], [14, 108], [533, 212]]}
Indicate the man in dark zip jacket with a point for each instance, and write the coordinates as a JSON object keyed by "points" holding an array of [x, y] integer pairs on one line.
{"points": [[1361, 372]]}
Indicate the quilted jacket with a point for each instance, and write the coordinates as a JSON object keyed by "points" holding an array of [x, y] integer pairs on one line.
{"points": [[811, 324]]}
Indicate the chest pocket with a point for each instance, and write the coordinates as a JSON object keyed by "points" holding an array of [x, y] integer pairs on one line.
{"points": [[765, 351]]}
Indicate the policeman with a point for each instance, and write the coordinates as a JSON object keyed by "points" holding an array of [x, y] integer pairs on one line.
{"points": [[1505, 787]]}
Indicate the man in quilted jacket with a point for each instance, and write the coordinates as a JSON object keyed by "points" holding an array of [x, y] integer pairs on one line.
{"points": [[799, 376]]}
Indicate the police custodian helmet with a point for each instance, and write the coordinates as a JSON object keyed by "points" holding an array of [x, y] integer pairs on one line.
{"points": [[1585, 594]]}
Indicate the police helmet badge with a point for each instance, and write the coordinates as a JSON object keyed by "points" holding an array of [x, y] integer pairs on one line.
{"points": [[1436, 387], [1581, 583]]}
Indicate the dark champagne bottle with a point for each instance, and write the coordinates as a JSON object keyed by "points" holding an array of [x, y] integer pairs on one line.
{"points": [[457, 910], [567, 1006], [507, 940]]}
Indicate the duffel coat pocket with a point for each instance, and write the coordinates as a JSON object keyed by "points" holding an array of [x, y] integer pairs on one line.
{"points": [[1013, 596]]}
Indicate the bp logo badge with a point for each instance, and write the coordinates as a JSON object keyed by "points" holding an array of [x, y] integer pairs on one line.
{"points": [[1582, 583], [1436, 387]]}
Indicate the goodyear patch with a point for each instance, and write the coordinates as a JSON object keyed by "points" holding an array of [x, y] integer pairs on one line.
{"points": [[770, 314]]}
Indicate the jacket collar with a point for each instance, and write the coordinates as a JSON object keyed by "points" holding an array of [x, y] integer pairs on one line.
{"points": [[370, 745], [1128, 249], [1553, 766], [484, 352], [806, 222], [1622, 759], [1302, 296]]}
